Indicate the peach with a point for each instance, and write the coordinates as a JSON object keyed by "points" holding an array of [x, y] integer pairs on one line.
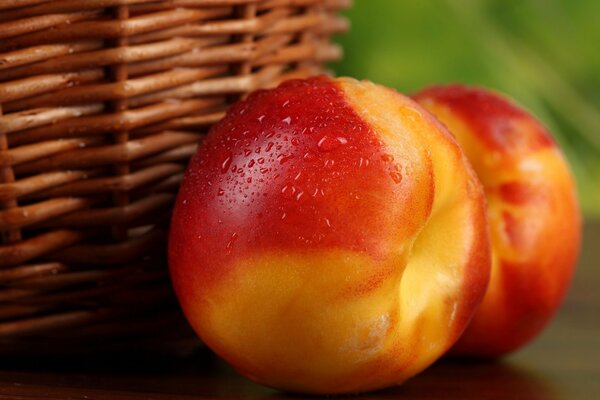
{"points": [[329, 236], [533, 215]]}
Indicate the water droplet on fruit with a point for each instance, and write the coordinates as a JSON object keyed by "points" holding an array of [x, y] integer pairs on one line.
{"points": [[283, 216], [288, 191], [264, 170], [287, 120], [261, 160], [308, 156], [396, 177], [299, 195], [298, 176], [226, 163], [328, 143], [260, 119], [387, 158], [412, 113], [284, 158], [234, 237], [221, 192], [247, 152]]}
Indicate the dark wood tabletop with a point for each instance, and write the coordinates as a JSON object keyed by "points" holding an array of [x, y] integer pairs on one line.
{"points": [[562, 364]]}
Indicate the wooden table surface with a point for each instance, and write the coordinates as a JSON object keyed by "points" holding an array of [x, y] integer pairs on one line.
{"points": [[564, 363]]}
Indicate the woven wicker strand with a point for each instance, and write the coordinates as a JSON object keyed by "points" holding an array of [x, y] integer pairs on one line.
{"points": [[102, 102]]}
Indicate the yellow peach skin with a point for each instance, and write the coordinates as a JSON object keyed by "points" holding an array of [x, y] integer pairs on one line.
{"points": [[329, 237], [533, 214]]}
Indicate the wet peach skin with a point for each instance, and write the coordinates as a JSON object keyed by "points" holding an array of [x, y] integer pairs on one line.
{"points": [[532, 210], [329, 237]]}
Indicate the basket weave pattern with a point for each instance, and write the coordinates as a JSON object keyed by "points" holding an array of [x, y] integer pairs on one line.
{"points": [[102, 102]]}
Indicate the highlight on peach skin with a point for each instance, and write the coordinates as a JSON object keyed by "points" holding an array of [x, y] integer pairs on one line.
{"points": [[329, 237], [532, 209]]}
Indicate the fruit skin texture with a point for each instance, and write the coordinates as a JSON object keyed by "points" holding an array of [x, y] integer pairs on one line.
{"points": [[329, 237], [533, 213]]}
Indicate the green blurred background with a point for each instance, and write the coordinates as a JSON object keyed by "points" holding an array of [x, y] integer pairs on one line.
{"points": [[543, 53]]}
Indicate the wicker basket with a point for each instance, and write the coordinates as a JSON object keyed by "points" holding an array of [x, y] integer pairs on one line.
{"points": [[102, 102]]}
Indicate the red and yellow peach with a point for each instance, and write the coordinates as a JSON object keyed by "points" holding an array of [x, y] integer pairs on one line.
{"points": [[329, 237], [532, 210]]}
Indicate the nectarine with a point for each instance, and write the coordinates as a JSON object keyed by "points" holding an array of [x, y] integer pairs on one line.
{"points": [[533, 214], [329, 236]]}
